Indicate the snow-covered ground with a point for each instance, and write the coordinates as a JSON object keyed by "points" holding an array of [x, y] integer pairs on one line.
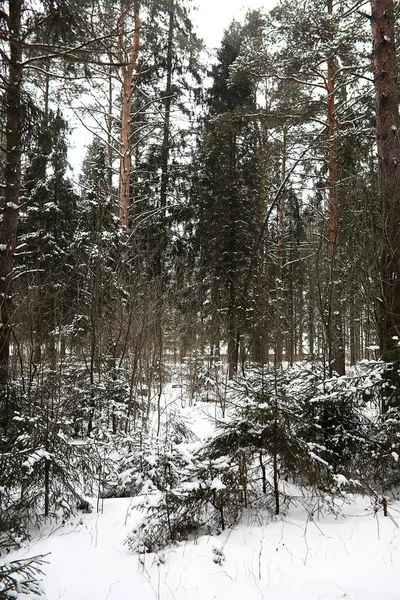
{"points": [[355, 556]]}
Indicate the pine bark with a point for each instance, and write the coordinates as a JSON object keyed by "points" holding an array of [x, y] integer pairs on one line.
{"points": [[12, 180], [388, 145], [127, 91], [109, 130], [233, 331], [165, 156]]}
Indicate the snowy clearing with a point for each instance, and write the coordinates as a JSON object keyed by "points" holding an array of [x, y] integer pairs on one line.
{"points": [[354, 556]]}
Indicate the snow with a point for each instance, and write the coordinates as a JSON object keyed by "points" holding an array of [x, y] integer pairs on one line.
{"points": [[354, 556], [341, 479], [352, 553], [34, 458], [217, 485]]}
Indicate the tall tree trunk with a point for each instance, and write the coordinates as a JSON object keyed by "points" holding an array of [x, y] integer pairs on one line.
{"points": [[336, 351], [354, 337], [233, 332], [165, 152], [311, 317], [109, 129], [165, 155], [12, 179], [388, 143], [127, 90], [261, 299], [280, 302], [233, 328]]}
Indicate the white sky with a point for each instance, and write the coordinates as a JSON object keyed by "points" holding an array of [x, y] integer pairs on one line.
{"points": [[213, 16]]}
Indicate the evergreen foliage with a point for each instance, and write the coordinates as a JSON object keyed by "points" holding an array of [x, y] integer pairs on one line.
{"points": [[22, 577], [248, 254], [43, 468]]}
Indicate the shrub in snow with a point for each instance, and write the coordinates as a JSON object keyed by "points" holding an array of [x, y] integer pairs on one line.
{"points": [[334, 416], [357, 431], [195, 374], [264, 436], [381, 468], [192, 506], [170, 517], [141, 457], [218, 557], [168, 499], [285, 434], [101, 405], [182, 491], [42, 467]]}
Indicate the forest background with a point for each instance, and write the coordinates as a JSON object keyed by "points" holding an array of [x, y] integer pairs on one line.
{"points": [[245, 236]]}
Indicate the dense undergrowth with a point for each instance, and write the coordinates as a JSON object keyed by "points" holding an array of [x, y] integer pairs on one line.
{"points": [[281, 436]]}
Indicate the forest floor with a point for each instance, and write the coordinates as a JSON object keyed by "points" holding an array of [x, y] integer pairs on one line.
{"points": [[354, 555]]}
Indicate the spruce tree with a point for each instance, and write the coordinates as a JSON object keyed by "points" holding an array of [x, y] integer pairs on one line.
{"points": [[227, 207]]}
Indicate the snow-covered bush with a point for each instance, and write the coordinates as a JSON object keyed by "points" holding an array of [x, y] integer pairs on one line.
{"points": [[170, 517], [381, 468], [42, 466], [285, 435], [132, 460], [264, 435], [204, 497], [21, 576], [180, 489], [160, 476], [335, 412], [194, 374]]}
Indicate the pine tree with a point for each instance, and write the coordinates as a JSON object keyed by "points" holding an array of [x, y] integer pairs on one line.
{"points": [[324, 60], [387, 128]]}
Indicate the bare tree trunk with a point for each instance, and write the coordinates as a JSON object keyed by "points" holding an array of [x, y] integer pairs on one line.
{"points": [[280, 303], [311, 317], [353, 330], [388, 142], [127, 90], [215, 334], [165, 155], [290, 320], [12, 179], [109, 130], [336, 349], [233, 327], [167, 112], [276, 468], [260, 349], [233, 333]]}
